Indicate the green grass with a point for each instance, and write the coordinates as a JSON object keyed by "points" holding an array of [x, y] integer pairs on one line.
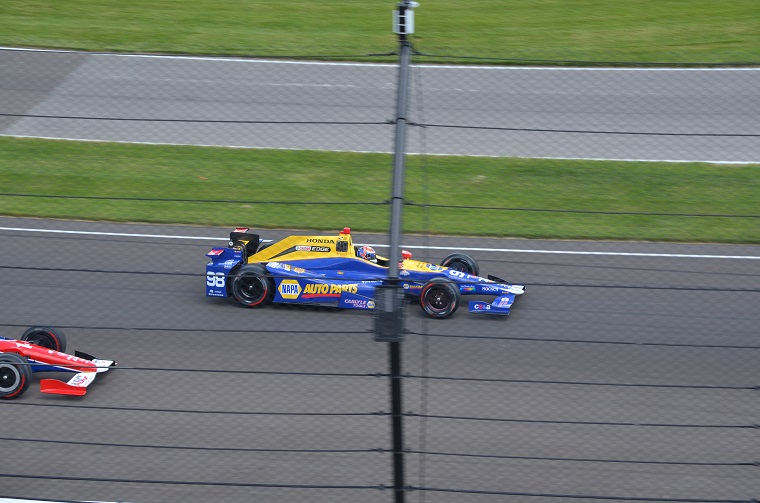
{"points": [[723, 31], [253, 179]]}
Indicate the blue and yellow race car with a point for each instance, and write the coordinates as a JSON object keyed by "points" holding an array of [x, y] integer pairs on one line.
{"points": [[332, 270]]}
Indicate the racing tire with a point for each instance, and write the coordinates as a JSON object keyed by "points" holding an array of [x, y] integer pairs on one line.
{"points": [[15, 375], [462, 262], [253, 286], [439, 298], [47, 337]]}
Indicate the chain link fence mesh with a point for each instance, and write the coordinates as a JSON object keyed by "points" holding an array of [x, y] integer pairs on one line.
{"points": [[628, 370]]}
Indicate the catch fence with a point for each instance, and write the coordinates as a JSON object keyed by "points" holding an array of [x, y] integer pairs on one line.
{"points": [[627, 371]]}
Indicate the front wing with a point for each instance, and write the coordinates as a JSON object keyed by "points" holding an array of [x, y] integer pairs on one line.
{"points": [[77, 385]]}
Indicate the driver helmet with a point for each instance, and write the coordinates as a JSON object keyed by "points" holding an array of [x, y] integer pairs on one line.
{"points": [[367, 253]]}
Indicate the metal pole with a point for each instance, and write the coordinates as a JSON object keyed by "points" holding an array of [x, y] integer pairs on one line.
{"points": [[397, 204], [397, 424], [397, 200]]}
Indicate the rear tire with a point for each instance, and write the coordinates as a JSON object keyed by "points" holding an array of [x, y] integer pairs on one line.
{"points": [[47, 337], [252, 286], [439, 298], [462, 262], [15, 375]]}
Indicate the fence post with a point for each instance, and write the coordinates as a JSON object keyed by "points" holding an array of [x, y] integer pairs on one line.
{"points": [[403, 24]]}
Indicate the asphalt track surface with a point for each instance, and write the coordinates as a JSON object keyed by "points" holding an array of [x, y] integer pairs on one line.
{"points": [[625, 371], [710, 115]]}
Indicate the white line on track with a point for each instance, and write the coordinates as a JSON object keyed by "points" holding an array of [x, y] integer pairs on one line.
{"points": [[504, 250], [677, 161], [233, 59]]}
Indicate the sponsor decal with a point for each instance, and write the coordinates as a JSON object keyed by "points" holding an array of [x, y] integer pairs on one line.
{"points": [[433, 267], [468, 289], [404, 273], [79, 380], [361, 303], [289, 289], [313, 290], [308, 248], [320, 240], [371, 304], [490, 289], [299, 270], [215, 253], [505, 302]]}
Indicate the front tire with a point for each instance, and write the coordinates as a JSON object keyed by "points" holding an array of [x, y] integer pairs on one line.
{"points": [[462, 262], [47, 337], [439, 298], [15, 375], [253, 286]]}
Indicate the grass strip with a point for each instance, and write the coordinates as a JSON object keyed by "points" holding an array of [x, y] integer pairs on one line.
{"points": [[698, 31], [533, 198]]}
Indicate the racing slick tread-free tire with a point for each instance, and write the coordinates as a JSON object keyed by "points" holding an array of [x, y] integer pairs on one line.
{"points": [[47, 337], [439, 298], [253, 286], [461, 262], [15, 375]]}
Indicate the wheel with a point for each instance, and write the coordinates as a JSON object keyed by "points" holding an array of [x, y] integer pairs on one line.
{"points": [[252, 286], [15, 375], [439, 298], [47, 337], [462, 262]]}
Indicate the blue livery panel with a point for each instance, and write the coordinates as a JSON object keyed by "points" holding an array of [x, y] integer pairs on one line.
{"points": [[222, 261], [346, 294]]}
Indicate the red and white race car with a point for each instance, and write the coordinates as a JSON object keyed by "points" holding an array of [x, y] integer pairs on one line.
{"points": [[41, 349]]}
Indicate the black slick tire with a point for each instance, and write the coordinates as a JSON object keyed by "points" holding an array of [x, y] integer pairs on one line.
{"points": [[15, 375], [462, 262], [47, 337], [252, 286], [439, 298]]}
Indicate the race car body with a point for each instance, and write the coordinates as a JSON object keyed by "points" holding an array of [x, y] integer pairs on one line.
{"points": [[330, 270], [41, 349]]}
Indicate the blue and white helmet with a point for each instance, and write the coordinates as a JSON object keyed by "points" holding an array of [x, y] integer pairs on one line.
{"points": [[367, 253]]}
